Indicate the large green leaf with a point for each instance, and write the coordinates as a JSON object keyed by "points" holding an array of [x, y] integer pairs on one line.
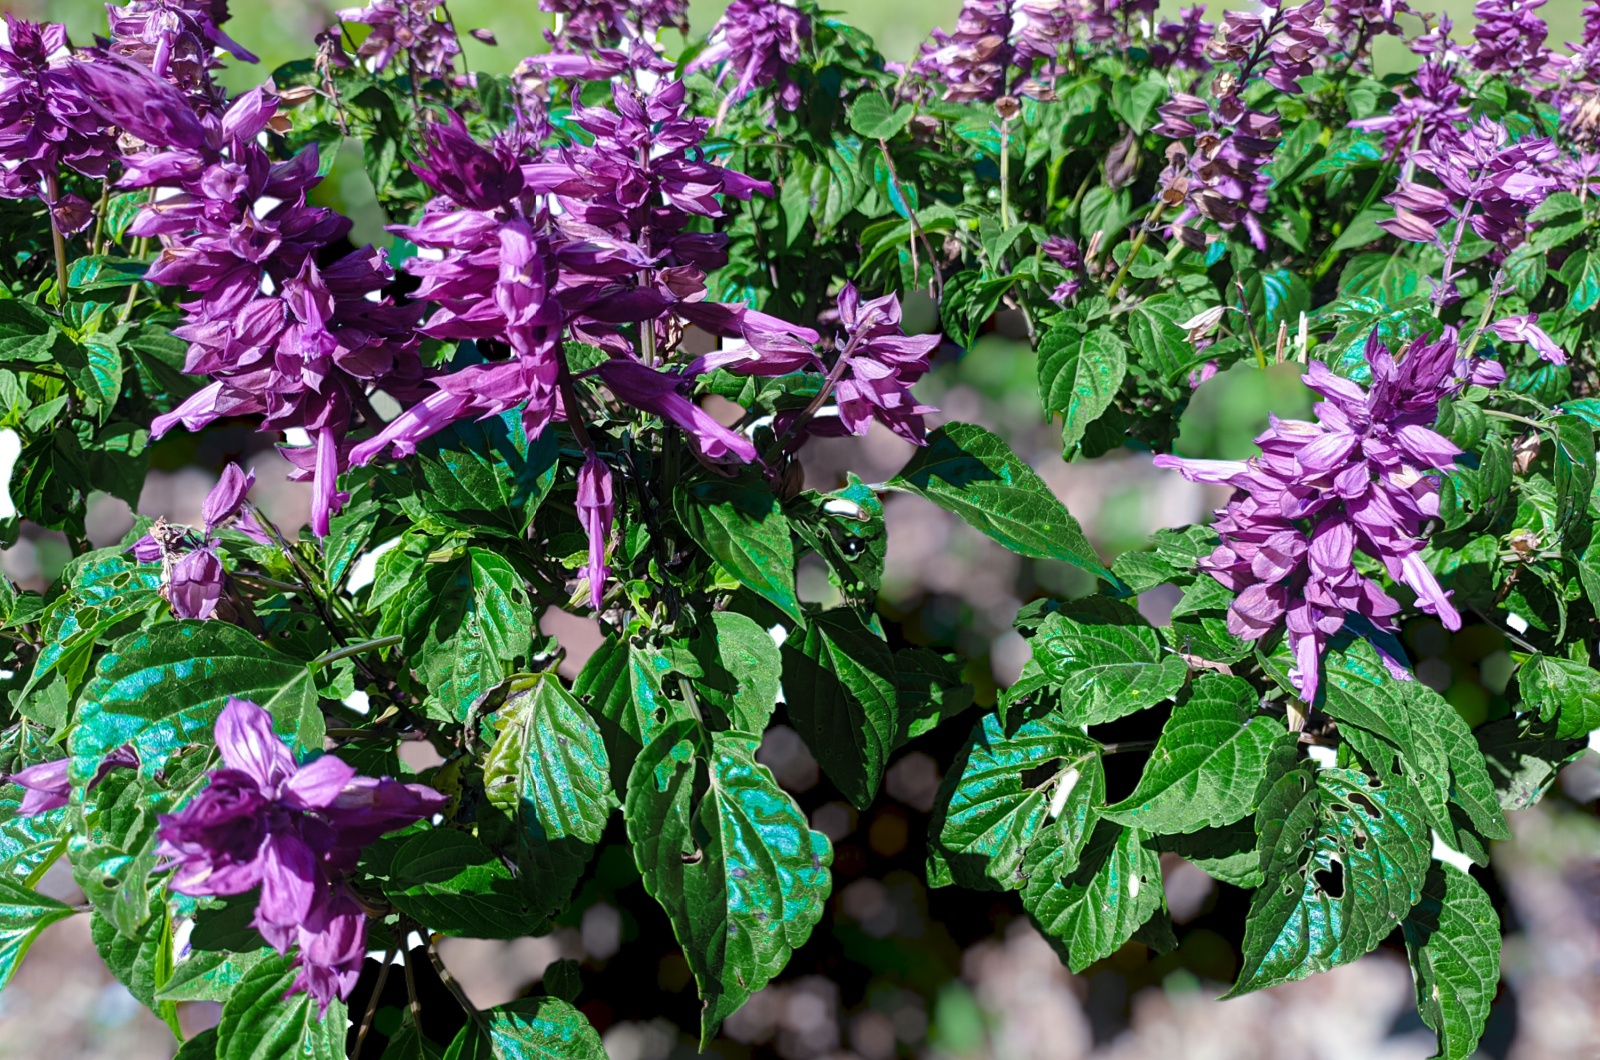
{"points": [[457, 886], [209, 975], [1524, 757], [1573, 470], [1041, 785], [23, 915], [1104, 672], [260, 1023], [730, 858], [1564, 691], [741, 526], [737, 669], [1343, 856], [839, 685], [1160, 342], [142, 963], [484, 476], [163, 687], [547, 780], [1406, 721], [1079, 374], [1208, 766], [1090, 909], [466, 625], [530, 1028], [1453, 940], [970, 471]]}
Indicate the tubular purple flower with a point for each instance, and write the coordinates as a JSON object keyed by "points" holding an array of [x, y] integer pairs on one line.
{"points": [[48, 786], [46, 120], [643, 387], [757, 41], [878, 364], [1361, 478], [1525, 328], [596, 508], [1509, 37], [265, 822], [413, 27]]}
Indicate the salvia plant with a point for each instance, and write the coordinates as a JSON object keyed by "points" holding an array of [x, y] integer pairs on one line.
{"points": [[511, 398]]}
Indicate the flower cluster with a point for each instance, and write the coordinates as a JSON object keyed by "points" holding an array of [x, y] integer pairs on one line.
{"points": [[46, 122], [1360, 479], [1223, 175], [996, 47], [1509, 37], [192, 576], [757, 41], [284, 334], [418, 29], [598, 25], [295, 832], [1431, 112], [177, 40]]}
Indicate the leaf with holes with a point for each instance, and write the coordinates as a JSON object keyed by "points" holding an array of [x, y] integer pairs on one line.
{"points": [[1343, 858], [547, 783], [1104, 672], [1040, 785], [1090, 909], [839, 685], [1208, 766], [1453, 940], [621, 686], [730, 858]]}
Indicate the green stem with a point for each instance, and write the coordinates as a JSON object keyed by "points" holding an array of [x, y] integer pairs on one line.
{"points": [[1514, 418], [354, 649], [1495, 290], [24, 366], [454, 987], [1138, 245], [1005, 173], [58, 242]]}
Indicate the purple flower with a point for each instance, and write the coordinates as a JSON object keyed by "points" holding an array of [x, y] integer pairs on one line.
{"points": [[1065, 252], [1360, 478], [1181, 45], [293, 831], [1525, 328], [1430, 114], [193, 577], [46, 121], [419, 29], [878, 364], [1509, 37], [640, 386], [757, 41], [48, 786], [994, 50], [593, 25], [596, 507], [178, 41]]}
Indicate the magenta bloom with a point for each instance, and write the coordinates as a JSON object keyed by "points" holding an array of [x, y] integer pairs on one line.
{"points": [[407, 26], [293, 831], [643, 387], [1361, 477], [756, 41], [47, 785], [45, 119], [594, 25], [193, 572], [1525, 328], [881, 364], [596, 508]]}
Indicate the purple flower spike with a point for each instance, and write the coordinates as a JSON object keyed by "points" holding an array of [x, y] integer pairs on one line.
{"points": [[293, 831], [46, 120], [883, 363], [1360, 478], [757, 41], [1525, 328], [596, 508]]}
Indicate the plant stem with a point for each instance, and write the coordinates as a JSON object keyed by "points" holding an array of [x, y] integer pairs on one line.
{"points": [[1514, 418], [411, 982], [1138, 245], [450, 984], [1127, 746], [1445, 280], [372, 1006], [354, 649], [1005, 173], [1495, 290], [821, 398], [58, 242]]}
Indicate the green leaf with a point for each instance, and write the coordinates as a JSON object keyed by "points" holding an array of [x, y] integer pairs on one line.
{"points": [[23, 915], [1389, 278], [871, 117], [621, 687], [740, 524], [259, 1023], [1410, 721], [1573, 470], [202, 1046], [971, 472], [1135, 101], [1524, 757], [1363, 229], [484, 476], [163, 687], [530, 1028], [1581, 274], [1160, 344], [1090, 910], [1227, 854], [100, 272], [1343, 858], [1209, 764], [928, 691], [1079, 375], [548, 778], [839, 685], [740, 669], [457, 886], [466, 624], [409, 1043], [1040, 785], [1564, 691], [209, 975], [730, 858], [1105, 672], [1453, 940]]}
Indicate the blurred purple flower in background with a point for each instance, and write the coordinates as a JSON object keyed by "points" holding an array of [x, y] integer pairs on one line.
{"points": [[419, 29], [178, 40], [594, 25], [293, 831], [1508, 37], [756, 41], [1357, 480]]}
